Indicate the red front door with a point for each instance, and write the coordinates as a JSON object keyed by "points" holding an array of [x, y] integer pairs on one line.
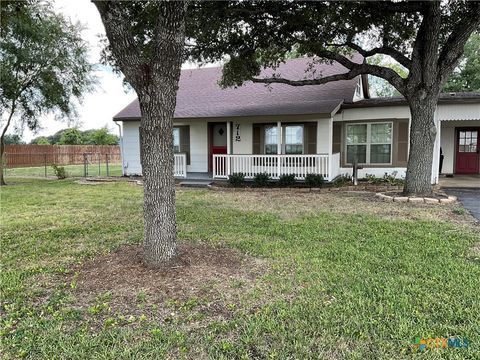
{"points": [[467, 152], [217, 141]]}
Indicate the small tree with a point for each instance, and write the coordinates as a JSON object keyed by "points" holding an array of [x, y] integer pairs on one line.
{"points": [[44, 65], [13, 139], [100, 137], [71, 136]]}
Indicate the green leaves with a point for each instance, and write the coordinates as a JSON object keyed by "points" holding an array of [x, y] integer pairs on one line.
{"points": [[44, 62]]}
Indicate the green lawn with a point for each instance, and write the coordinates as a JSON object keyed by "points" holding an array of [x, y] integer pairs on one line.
{"points": [[114, 169], [347, 276]]}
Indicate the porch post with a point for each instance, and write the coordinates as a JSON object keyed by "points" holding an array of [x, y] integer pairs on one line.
{"points": [[279, 148], [229, 145], [279, 137], [229, 137], [436, 150], [330, 145]]}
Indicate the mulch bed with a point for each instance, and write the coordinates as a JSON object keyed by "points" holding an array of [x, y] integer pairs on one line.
{"points": [[215, 277]]}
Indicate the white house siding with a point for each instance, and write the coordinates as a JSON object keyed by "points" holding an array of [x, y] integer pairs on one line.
{"points": [[131, 148], [447, 141], [198, 144]]}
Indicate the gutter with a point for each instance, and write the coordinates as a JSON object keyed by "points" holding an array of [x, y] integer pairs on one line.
{"points": [[121, 145]]}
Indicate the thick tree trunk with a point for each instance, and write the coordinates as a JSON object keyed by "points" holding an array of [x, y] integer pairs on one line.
{"points": [[153, 72], [156, 151], [422, 139]]}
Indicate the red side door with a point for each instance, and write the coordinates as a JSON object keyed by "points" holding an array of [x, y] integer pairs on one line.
{"points": [[217, 141], [467, 151]]}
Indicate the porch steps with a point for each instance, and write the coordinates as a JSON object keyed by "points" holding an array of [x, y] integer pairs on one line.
{"points": [[195, 183]]}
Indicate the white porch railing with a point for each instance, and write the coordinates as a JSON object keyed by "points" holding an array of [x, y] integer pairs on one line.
{"points": [[274, 165], [334, 166], [180, 165]]}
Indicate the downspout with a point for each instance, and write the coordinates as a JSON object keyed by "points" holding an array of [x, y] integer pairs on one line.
{"points": [[121, 145]]}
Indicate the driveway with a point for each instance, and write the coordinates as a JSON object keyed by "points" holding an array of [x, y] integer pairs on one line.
{"points": [[469, 197]]}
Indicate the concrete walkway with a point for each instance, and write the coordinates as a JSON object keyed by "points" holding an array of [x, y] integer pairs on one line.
{"points": [[460, 181]]}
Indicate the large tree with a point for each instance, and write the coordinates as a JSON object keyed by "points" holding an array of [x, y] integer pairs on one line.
{"points": [[146, 42], [44, 65], [426, 37]]}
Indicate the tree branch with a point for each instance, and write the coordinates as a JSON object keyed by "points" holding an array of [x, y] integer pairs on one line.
{"points": [[121, 40], [385, 50], [453, 48], [355, 69]]}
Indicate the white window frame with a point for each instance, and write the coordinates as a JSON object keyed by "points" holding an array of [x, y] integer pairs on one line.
{"points": [[284, 137], [369, 142], [176, 129], [265, 144]]}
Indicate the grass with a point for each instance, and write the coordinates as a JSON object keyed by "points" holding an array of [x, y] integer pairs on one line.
{"points": [[72, 171], [350, 277]]}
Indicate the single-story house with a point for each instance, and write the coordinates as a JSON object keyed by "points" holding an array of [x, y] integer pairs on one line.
{"points": [[281, 129]]}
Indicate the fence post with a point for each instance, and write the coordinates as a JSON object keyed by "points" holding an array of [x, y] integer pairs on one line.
{"points": [[106, 163], [45, 163], [85, 165], [99, 163]]}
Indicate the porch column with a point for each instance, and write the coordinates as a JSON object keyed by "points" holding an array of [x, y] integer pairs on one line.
{"points": [[229, 146], [436, 150], [330, 145], [279, 148], [279, 137], [229, 137]]}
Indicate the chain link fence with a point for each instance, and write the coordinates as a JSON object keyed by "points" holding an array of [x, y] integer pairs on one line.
{"points": [[75, 164]]}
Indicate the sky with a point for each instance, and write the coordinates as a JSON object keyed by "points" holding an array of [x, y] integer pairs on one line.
{"points": [[109, 97]]}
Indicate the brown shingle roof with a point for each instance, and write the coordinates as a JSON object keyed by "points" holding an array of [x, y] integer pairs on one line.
{"points": [[200, 96]]}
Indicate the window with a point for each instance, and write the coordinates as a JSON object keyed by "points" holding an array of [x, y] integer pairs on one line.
{"points": [[293, 139], [358, 89], [176, 140], [271, 139], [369, 143]]}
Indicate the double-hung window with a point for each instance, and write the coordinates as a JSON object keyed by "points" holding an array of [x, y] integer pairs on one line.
{"points": [[369, 143], [293, 139], [271, 139]]}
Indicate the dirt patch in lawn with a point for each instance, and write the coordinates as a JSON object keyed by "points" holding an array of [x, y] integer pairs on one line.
{"points": [[204, 282]]}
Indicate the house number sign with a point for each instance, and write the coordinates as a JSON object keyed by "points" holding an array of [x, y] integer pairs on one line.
{"points": [[237, 133]]}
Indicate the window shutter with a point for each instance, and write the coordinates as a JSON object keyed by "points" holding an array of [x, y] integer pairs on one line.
{"points": [[402, 143], [257, 139], [185, 141], [337, 138], [310, 138]]}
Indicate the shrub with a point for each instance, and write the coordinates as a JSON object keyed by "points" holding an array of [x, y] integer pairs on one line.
{"points": [[236, 179], [314, 180], [59, 171], [342, 180], [372, 179], [391, 179], [287, 180], [261, 180]]}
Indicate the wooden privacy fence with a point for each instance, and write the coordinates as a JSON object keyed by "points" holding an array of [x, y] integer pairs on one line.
{"points": [[40, 155]]}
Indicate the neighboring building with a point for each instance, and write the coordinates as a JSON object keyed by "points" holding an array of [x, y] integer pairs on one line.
{"points": [[282, 129]]}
